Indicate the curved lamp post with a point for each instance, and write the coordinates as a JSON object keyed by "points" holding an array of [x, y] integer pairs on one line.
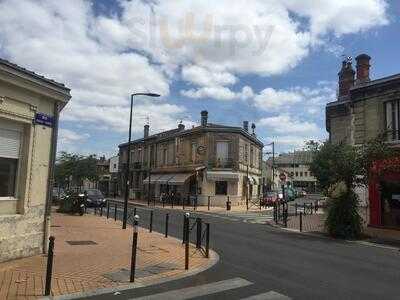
{"points": [[127, 173]]}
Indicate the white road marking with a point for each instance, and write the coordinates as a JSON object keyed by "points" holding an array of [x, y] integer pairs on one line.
{"points": [[199, 291], [268, 296]]}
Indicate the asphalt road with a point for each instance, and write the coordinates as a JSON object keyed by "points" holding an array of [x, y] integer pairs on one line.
{"points": [[295, 265]]}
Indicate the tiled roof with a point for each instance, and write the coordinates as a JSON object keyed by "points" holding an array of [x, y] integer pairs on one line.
{"points": [[298, 157], [31, 73]]}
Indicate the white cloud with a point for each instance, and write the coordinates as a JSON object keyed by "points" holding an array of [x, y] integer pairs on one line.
{"points": [[66, 136], [204, 77], [286, 124], [219, 93]]}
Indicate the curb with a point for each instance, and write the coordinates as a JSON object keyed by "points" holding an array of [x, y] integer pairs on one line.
{"points": [[213, 260]]}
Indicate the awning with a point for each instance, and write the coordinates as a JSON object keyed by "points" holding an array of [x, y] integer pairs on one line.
{"points": [[153, 179], [164, 178], [179, 179], [222, 176]]}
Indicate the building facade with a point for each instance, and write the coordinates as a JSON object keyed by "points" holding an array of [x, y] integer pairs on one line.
{"points": [[367, 109], [29, 109], [209, 160], [296, 167]]}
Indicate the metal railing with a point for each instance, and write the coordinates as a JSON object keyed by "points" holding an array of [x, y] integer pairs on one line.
{"points": [[221, 164]]}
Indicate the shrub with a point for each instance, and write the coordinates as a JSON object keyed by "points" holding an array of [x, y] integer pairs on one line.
{"points": [[343, 220]]}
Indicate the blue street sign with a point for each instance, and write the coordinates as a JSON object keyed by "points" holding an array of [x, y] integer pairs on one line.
{"points": [[43, 119]]}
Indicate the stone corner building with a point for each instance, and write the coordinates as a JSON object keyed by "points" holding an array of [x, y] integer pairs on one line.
{"points": [[208, 161], [29, 109], [364, 110]]}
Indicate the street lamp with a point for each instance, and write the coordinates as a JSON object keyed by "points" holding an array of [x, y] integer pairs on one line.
{"points": [[127, 173], [273, 161]]}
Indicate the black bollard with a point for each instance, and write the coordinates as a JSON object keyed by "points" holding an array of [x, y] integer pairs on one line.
{"points": [[166, 225], [115, 212], [108, 209], [134, 248], [198, 235], [301, 221], [186, 243], [49, 270], [151, 222], [207, 240], [295, 209], [101, 210], [208, 203]]}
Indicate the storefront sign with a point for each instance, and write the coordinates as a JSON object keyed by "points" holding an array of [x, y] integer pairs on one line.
{"points": [[43, 119]]}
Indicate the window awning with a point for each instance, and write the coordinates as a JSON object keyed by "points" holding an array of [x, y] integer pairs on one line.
{"points": [[222, 176], [153, 179], [179, 179]]}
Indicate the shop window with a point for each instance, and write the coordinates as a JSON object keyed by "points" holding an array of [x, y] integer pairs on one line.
{"points": [[221, 188]]}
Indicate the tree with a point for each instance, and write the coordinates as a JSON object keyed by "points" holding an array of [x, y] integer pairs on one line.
{"points": [[72, 169]]}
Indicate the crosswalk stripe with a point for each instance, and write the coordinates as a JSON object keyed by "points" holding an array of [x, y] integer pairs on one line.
{"points": [[200, 290], [268, 296]]}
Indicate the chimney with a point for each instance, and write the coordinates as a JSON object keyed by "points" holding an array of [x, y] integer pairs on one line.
{"points": [[346, 79], [146, 130], [246, 125], [181, 127], [253, 127], [363, 67], [204, 118]]}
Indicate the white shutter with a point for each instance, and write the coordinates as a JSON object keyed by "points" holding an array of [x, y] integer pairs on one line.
{"points": [[10, 143]]}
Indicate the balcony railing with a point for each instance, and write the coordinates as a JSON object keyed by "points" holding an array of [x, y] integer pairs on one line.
{"points": [[392, 136], [221, 164]]}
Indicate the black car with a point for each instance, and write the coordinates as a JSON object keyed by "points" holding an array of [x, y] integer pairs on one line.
{"points": [[94, 198]]}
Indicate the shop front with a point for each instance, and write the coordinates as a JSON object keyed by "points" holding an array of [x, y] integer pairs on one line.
{"points": [[384, 194]]}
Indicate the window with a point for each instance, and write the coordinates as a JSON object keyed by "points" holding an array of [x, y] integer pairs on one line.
{"points": [[193, 151], [246, 154], [305, 174], [165, 156], [392, 120], [297, 174], [301, 174], [222, 152], [251, 156], [139, 155], [10, 142], [221, 188], [291, 174]]}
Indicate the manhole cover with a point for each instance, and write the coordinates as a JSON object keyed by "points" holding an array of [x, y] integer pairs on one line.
{"points": [[81, 243]]}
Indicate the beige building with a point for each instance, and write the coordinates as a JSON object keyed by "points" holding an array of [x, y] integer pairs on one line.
{"points": [[29, 109], [209, 160], [296, 167]]}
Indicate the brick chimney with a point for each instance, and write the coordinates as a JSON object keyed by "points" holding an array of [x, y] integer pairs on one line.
{"points": [[204, 118], [246, 125], [346, 79], [363, 67], [146, 130]]}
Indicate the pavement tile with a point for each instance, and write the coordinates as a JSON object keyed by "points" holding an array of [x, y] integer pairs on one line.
{"points": [[81, 268]]}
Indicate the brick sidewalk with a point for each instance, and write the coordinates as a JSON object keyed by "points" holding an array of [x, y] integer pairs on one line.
{"points": [[82, 268]]}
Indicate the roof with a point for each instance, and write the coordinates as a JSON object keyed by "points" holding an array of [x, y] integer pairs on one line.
{"points": [[376, 82], [33, 74], [210, 127], [298, 157]]}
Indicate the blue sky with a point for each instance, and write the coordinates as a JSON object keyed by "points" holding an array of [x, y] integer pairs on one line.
{"points": [[274, 63]]}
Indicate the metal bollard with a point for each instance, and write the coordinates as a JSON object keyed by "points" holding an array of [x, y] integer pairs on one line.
{"points": [[95, 210], [49, 269], [198, 234], [195, 203], [295, 209], [163, 202], [134, 248], [228, 204], [101, 210], [276, 213], [172, 202], [187, 243], [166, 225], [134, 211], [151, 222], [304, 208], [115, 212], [208, 240], [208, 203], [108, 209], [183, 203], [301, 221], [285, 216], [311, 208], [260, 203]]}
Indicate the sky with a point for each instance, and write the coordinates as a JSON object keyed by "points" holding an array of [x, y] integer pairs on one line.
{"points": [[270, 62]]}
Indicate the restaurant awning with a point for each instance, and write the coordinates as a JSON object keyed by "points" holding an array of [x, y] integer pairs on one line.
{"points": [[153, 179], [222, 176], [165, 178], [179, 179]]}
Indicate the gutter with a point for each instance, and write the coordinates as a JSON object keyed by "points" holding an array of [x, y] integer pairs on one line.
{"points": [[50, 180]]}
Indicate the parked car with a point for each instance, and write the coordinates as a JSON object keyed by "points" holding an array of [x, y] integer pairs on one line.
{"points": [[94, 198], [270, 198]]}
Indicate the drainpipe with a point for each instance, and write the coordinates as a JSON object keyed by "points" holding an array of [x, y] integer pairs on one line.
{"points": [[50, 180]]}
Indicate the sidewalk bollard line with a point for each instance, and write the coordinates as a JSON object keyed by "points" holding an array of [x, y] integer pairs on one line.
{"points": [[108, 209], [208, 240], [208, 203], [134, 248], [301, 221], [151, 222], [115, 212], [199, 231], [166, 225], [49, 269]]}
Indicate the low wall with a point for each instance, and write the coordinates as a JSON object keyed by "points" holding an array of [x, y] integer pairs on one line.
{"points": [[22, 235]]}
